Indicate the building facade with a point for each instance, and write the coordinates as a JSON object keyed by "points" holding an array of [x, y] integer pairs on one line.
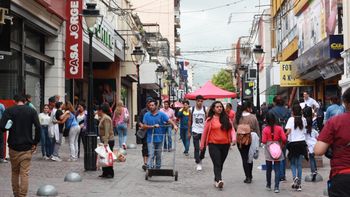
{"points": [[344, 83], [35, 65]]}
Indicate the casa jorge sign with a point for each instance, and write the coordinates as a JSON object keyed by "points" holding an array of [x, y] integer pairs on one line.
{"points": [[74, 40]]}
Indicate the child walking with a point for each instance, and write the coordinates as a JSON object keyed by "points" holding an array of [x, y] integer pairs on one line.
{"points": [[273, 136]]}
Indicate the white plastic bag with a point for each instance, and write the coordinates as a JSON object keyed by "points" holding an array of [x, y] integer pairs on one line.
{"points": [[105, 156]]}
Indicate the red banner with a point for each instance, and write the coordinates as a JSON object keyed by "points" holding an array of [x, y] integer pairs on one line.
{"points": [[74, 40]]}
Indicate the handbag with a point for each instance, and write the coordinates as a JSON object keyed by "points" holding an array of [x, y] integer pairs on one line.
{"points": [[243, 134], [66, 132]]}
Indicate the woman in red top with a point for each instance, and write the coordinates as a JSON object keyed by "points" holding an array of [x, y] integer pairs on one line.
{"points": [[218, 134], [335, 135], [272, 133], [231, 114]]}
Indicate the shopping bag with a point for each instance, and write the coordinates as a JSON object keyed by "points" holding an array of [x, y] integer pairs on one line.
{"points": [[105, 161], [103, 150]]}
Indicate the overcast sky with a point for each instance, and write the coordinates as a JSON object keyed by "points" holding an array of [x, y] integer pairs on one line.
{"points": [[207, 30]]}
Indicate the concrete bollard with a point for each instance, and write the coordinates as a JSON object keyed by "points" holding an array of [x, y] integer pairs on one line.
{"points": [[72, 177], [318, 178], [131, 146], [47, 190]]}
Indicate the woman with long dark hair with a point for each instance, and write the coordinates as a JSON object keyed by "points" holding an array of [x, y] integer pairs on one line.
{"points": [[245, 123], [218, 135], [297, 147], [273, 134]]}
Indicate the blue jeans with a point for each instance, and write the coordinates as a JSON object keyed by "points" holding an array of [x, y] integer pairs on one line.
{"points": [[283, 164], [168, 140], [46, 142], [276, 166], [122, 134], [185, 139], [154, 150], [296, 166], [313, 165]]}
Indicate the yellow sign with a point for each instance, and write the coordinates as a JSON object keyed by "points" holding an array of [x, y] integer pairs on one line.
{"points": [[287, 79]]}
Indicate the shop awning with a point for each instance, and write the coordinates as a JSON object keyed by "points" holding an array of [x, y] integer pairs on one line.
{"points": [[210, 91], [322, 60], [149, 86]]}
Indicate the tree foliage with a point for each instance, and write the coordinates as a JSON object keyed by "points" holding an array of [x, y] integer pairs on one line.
{"points": [[224, 80]]}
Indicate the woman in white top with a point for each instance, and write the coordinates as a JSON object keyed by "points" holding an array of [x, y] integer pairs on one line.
{"points": [[45, 140], [81, 117], [297, 147]]}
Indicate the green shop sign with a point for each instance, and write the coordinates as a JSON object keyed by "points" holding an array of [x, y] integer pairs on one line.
{"points": [[105, 37]]}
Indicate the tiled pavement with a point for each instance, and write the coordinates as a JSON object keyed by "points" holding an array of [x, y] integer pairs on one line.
{"points": [[130, 180]]}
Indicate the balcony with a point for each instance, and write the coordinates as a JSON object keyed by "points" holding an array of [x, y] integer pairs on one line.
{"points": [[178, 51], [177, 22], [177, 37]]}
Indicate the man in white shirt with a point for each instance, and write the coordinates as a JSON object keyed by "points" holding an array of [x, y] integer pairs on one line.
{"points": [[310, 101], [171, 115], [196, 123]]}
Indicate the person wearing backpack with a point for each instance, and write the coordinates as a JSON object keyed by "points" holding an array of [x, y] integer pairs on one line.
{"points": [[245, 123], [273, 137], [282, 114], [197, 117]]}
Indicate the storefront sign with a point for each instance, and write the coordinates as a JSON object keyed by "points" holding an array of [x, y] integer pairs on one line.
{"points": [[286, 78], [5, 27], [322, 54], [74, 40], [105, 36], [336, 45]]}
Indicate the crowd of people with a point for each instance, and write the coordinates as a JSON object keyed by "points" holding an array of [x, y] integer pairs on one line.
{"points": [[287, 133], [294, 133]]}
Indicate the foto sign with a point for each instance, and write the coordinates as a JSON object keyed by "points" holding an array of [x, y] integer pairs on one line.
{"points": [[74, 40], [286, 78]]}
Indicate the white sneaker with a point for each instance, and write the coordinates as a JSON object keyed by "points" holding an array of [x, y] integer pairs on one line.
{"points": [[199, 167], [54, 158]]}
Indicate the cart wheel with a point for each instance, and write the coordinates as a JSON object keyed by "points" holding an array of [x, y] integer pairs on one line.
{"points": [[146, 175], [176, 175]]}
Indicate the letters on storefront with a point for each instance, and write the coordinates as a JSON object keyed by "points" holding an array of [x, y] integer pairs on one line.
{"points": [[5, 27], [74, 40], [286, 77]]}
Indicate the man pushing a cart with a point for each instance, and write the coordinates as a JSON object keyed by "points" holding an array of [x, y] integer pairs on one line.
{"points": [[153, 123]]}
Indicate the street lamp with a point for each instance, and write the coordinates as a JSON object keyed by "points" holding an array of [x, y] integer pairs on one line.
{"points": [[258, 53], [241, 71], [138, 56], [160, 72], [90, 14]]}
